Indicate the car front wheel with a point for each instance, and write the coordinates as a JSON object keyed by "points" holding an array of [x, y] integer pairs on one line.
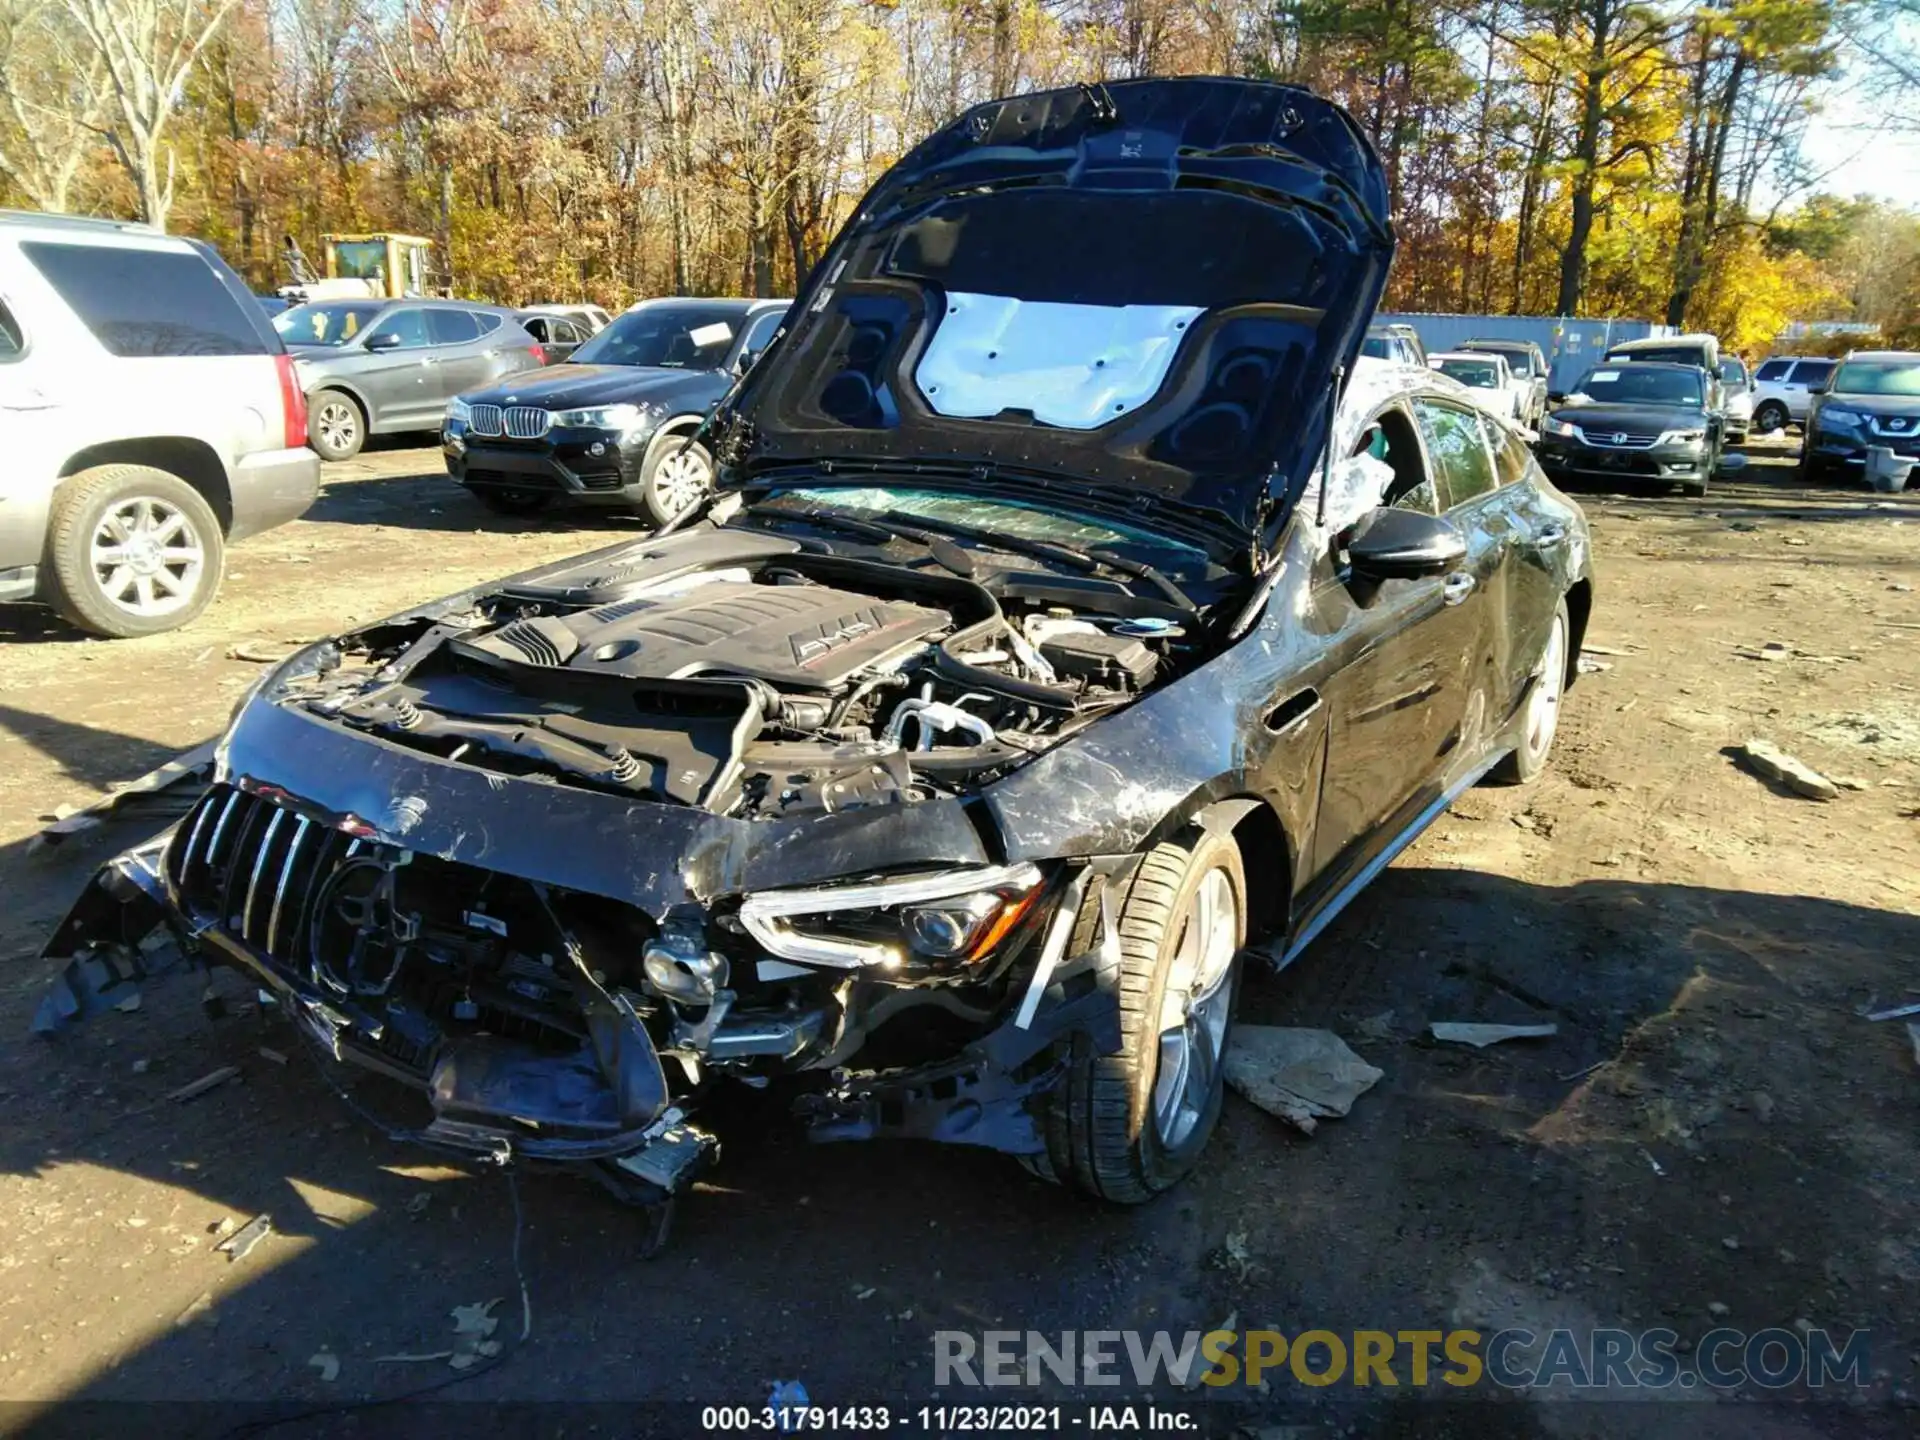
{"points": [[1771, 415], [134, 551], [676, 475], [1127, 1126]]}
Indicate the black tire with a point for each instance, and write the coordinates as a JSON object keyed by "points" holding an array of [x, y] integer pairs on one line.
{"points": [[157, 593], [661, 491], [1693, 489], [336, 426], [1523, 764], [1099, 1120], [506, 500], [1771, 415]]}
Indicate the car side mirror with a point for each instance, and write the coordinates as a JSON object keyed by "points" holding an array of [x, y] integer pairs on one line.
{"points": [[1819, 387], [383, 340], [1392, 544]]}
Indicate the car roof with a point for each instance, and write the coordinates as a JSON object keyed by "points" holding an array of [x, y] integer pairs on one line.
{"points": [[1460, 355], [1874, 355], [1673, 365], [1648, 342], [1502, 344]]}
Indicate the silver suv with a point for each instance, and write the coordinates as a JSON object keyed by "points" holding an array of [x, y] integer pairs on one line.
{"points": [[150, 416], [384, 367]]}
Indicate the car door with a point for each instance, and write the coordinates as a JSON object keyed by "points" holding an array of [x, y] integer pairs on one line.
{"points": [[1799, 387], [1397, 703], [459, 357], [396, 373], [563, 337], [1538, 528], [32, 419]]}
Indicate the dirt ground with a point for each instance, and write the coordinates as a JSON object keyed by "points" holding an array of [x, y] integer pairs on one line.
{"points": [[1715, 1136]]}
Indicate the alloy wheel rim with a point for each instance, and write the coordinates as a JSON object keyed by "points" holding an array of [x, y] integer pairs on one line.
{"points": [[338, 425], [683, 477], [147, 557], [1543, 711], [1194, 1010]]}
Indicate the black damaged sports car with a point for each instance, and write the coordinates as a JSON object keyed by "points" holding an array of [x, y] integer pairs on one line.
{"points": [[1075, 614]]}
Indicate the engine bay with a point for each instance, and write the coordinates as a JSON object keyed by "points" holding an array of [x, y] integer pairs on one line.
{"points": [[755, 677]]}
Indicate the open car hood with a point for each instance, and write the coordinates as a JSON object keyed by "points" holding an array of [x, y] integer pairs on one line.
{"points": [[1146, 287]]}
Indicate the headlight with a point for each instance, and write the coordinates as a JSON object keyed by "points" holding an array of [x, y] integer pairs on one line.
{"points": [[458, 409], [599, 417], [1682, 437], [1835, 415], [955, 917], [1551, 426]]}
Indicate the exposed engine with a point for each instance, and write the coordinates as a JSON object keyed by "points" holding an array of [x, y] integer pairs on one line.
{"points": [[773, 683]]}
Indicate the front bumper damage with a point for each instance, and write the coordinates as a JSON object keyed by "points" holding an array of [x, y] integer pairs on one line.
{"points": [[566, 1067]]}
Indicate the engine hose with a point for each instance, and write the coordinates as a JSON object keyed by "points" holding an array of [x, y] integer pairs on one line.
{"points": [[1026, 692]]}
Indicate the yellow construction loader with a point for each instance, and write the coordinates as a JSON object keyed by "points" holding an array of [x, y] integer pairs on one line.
{"points": [[381, 265]]}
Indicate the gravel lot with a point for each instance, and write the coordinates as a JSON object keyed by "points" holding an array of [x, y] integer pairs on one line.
{"points": [[1714, 1136]]}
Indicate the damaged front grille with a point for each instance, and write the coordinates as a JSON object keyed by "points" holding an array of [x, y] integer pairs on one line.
{"points": [[255, 869], [328, 909]]}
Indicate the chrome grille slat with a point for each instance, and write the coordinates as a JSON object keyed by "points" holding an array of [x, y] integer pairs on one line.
{"points": [[234, 865], [484, 420], [527, 422], [286, 874], [259, 868], [220, 829]]}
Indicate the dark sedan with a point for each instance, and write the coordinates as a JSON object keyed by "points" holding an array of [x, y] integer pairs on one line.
{"points": [[1077, 612], [614, 425], [1872, 399], [1638, 421]]}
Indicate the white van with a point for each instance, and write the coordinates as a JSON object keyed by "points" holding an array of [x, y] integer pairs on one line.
{"points": [[148, 413]]}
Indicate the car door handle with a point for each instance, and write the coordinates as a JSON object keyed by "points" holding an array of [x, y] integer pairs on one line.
{"points": [[1552, 535], [1457, 586]]}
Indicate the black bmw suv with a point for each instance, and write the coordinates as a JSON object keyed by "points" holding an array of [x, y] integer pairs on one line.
{"points": [[612, 426], [1873, 398], [1640, 420]]}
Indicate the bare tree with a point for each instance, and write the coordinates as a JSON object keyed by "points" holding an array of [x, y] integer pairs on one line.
{"points": [[50, 85], [147, 49]]}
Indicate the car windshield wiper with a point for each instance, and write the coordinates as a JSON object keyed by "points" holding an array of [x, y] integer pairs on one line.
{"points": [[1091, 560], [950, 556]]}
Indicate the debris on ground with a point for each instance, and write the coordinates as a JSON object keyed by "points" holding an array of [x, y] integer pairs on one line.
{"points": [[1589, 648], [1587, 666], [261, 652], [237, 1246], [1771, 762], [205, 1083], [327, 1364], [1377, 1027], [417, 1204], [1235, 1258], [473, 1325], [148, 796], [1302, 1076], [413, 1359], [128, 1004], [1896, 1013], [1480, 1036]]}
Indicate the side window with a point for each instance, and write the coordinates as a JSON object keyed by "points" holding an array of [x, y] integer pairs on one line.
{"points": [[536, 326], [761, 331], [1812, 372], [1391, 439], [1509, 454], [12, 342], [1773, 370], [409, 325], [1459, 451], [141, 303], [486, 320], [568, 333], [451, 327]]}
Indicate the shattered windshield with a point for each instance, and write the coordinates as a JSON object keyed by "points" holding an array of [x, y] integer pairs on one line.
{"points": [[1004, 517]]}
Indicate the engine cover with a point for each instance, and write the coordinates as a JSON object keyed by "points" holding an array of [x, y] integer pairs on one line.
{"points": [[805, 636]]}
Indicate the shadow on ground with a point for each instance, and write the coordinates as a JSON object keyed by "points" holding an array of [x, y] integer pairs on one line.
{"points": [[1580, 1172]]}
